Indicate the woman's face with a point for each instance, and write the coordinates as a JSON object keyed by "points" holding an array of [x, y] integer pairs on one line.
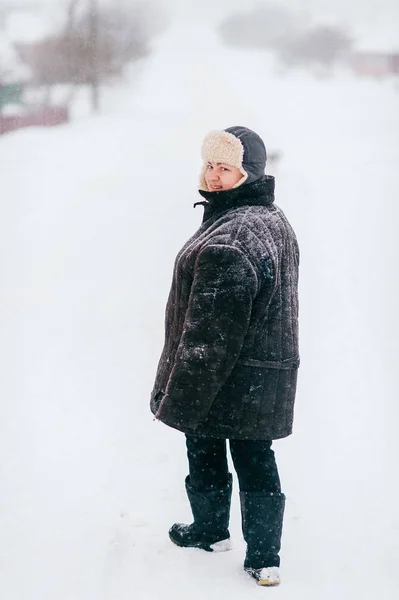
{"points": [[219, 176]]}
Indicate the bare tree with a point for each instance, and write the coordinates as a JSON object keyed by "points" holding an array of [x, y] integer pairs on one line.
{"points": [[95, 45], [265, 27], [288, 34], [322, 46], [71, 14]]}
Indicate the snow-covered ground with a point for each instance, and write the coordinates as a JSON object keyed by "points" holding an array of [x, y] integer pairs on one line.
{"points": [[92, 215]]}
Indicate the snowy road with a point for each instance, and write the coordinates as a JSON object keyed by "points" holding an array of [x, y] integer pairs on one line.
{"points": [[92, 216]]}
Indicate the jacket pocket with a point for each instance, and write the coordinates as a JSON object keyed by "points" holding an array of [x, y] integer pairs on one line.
{"points": [[288, 364], [158, 396], [155, 400]]}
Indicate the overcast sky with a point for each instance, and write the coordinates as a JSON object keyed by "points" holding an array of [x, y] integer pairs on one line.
{"points": [[368, 19], [340, 9], [351, 10]]}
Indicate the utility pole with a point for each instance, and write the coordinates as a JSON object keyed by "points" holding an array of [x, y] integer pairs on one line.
{"points": [[93, 53]]}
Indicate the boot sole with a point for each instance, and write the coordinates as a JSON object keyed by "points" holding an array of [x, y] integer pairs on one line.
{"points": [[222, 546], [262, 582], [266, 583]]}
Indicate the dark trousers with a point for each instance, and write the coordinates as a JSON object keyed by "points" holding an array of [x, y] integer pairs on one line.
{"points": [[253, 461]]}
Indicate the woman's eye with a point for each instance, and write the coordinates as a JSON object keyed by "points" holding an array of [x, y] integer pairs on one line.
{"points": [[209, 167]]}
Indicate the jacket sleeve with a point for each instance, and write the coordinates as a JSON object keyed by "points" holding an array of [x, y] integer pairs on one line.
{"points": [[215, 326]]}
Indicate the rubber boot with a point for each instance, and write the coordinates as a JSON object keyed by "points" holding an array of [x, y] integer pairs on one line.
{"points": [[262, 523], [211, 512]]}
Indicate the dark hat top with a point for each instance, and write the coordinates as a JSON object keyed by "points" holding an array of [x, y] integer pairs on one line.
{"points": [[255, 156]]}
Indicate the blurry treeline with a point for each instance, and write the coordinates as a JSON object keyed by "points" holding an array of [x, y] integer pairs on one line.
{"points": [[94, 43], [290, 35]]}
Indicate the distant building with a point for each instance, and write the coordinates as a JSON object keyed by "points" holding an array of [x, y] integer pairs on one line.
{"points": [[375, 64], [395, 63], [377, 52]]}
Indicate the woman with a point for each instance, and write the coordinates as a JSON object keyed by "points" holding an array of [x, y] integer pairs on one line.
{"points": [[229, 364]]}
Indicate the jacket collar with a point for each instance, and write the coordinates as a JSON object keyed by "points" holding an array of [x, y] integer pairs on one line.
{"points": [[259, 193]]}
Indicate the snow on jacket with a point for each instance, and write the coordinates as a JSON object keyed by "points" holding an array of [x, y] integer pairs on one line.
{"points": [[229, 364]]}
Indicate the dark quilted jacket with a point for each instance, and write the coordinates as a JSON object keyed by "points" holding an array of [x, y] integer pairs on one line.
{"points": [[229, 364]]}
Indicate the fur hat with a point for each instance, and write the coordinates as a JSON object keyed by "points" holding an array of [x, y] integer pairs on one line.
{"points": [[238, 147]]}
